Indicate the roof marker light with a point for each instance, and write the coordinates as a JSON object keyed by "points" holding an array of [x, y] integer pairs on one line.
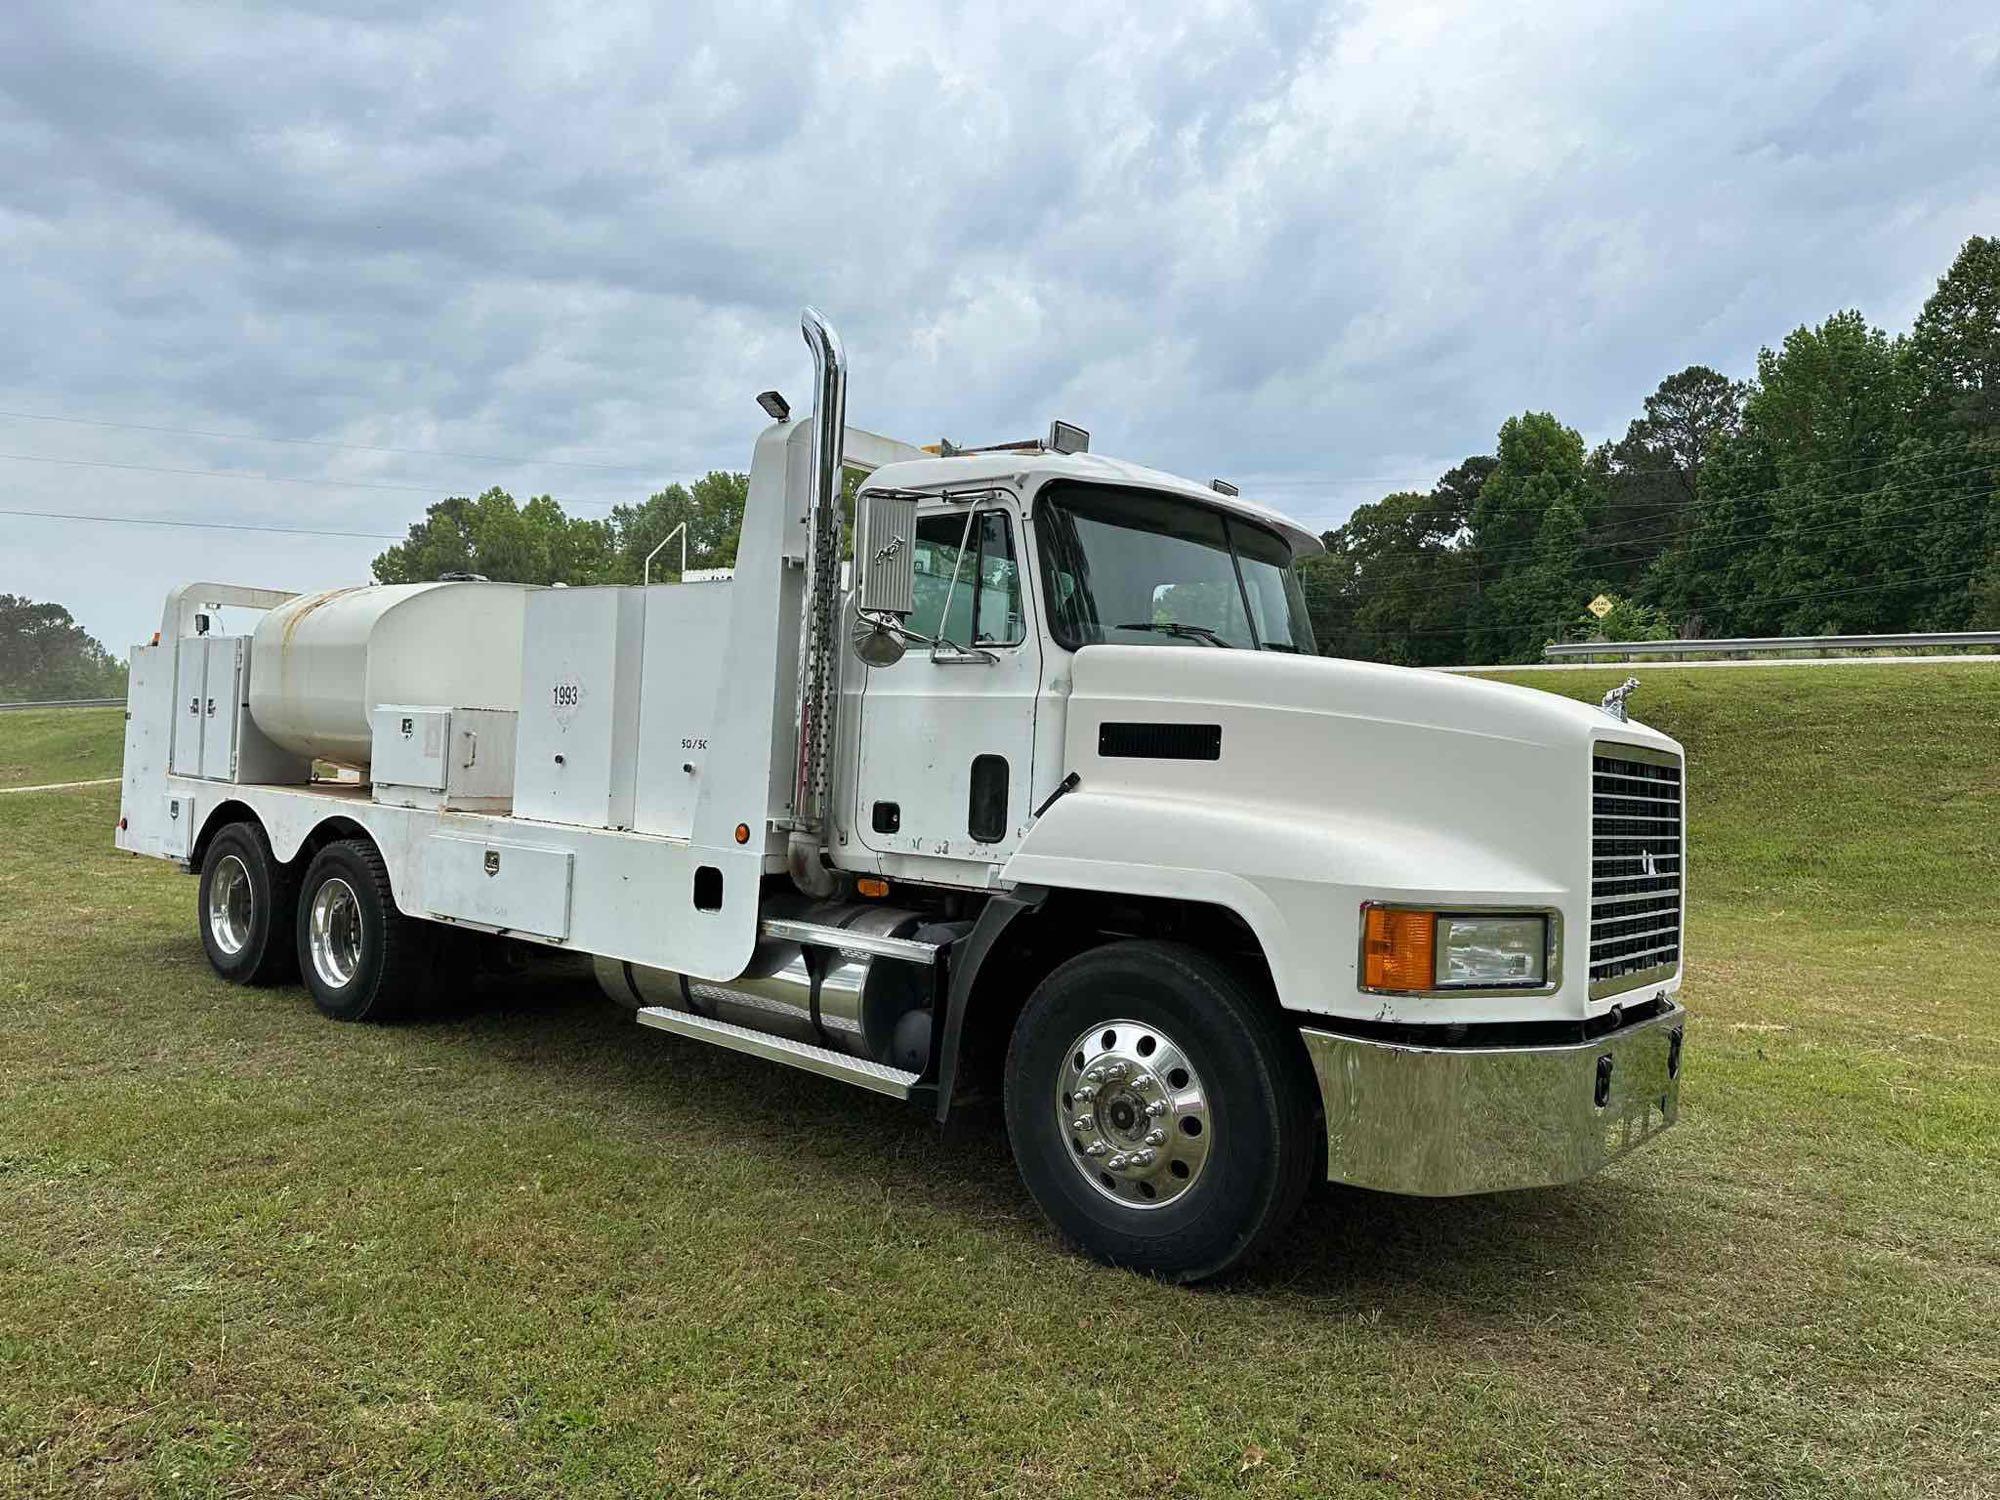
{"points": [[1067, 437], [1223, 487], [776, 407]]}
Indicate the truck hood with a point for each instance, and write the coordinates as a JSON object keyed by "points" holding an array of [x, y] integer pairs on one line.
{"points": [[1290, 790], [1180, 681]]}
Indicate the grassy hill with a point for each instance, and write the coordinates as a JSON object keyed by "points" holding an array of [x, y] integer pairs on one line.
{"points": [[526, 1248], [41, 745]]}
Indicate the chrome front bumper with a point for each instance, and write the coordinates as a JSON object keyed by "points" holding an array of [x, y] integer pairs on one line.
{"points": [[1441, 1121]]}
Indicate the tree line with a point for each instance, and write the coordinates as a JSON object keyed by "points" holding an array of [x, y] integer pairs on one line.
{"points": [[1851, 486], [496, 537], [46, 656]]}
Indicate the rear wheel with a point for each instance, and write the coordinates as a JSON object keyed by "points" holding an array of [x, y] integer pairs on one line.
{"points": [[361, 959], [245, 907], [1159, 1110]]}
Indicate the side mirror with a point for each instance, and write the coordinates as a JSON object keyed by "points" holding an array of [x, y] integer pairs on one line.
{"points": [[877, 642], [885, 555]]}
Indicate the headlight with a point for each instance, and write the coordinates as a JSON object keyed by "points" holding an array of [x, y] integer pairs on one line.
{"points": [[1417, 952], [1482, 951]]}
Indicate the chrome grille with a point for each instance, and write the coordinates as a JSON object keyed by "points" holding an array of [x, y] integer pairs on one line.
{"points": [[1635, 867]]}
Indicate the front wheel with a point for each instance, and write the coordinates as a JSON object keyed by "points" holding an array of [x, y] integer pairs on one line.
{"points": [[361, 959], [1159, 1110]]}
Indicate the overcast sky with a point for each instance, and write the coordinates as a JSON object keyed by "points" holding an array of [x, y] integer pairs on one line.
{"points": [[1320, 249]]}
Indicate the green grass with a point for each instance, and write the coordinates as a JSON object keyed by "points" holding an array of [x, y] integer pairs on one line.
{"points": [[41, 745], [527, 1249]]}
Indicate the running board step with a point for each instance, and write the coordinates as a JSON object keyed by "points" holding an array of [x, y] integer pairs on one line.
{"points": [[879, 1077]]}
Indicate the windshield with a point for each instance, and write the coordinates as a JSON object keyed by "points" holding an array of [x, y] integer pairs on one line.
{"points": [[1138, 567]]}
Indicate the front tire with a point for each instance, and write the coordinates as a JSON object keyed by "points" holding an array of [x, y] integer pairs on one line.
{"points": [[1159, 1110], [361, 959], [245, 907]]}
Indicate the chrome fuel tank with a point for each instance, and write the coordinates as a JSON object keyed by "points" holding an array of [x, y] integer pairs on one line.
{"points": [[807, 992]]}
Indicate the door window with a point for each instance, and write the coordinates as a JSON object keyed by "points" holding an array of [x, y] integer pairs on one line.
{"points": [[968, 584]]}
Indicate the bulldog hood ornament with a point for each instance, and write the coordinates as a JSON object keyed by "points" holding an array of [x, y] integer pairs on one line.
{"points": [[1614, 701]]}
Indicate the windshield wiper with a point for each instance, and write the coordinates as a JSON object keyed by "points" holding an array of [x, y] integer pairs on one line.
{"points": [[1281, 646], [1184, 632]]}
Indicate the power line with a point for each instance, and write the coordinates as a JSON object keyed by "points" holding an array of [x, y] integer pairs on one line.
{"points": [[253, 437], [67, 515], [337, 484], [1628, 544], [1642, 543]]}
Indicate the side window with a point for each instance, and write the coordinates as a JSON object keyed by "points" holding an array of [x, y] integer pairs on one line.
{"points": [[997, 611], [981, 580]]}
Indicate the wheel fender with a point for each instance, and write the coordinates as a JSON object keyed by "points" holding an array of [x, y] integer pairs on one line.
{"points": [[1295, 877]]}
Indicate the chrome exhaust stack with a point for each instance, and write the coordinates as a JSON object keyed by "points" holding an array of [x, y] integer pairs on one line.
{"points": [[819, 665]]}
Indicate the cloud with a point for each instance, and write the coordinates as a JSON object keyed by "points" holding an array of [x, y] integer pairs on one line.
{"points": [[1322, 247]]}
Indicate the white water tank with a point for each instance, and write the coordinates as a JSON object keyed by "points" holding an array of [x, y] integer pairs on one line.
{"points": [[323, 661]]}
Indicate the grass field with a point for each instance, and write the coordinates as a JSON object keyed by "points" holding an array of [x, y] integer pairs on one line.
{"points": [[40, 745], [531, 1250]]}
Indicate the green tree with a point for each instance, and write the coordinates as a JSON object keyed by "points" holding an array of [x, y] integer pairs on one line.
{"points": [[1951, 461], [712, 507], [1397, 577], [498, 539], [45, 654], [1802, 527], [1528, 531], [1954, 348], [1647, 481]]}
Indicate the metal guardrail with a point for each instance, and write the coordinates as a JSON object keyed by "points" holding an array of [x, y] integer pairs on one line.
{"points": [[66, 703], [1764, 644]]}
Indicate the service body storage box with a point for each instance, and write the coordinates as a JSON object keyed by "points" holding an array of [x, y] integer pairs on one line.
{"points": [[456, 759], [577, 757], [214, 735], [686, 624]]}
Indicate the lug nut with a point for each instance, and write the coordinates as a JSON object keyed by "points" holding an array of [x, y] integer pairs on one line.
{"points": [[1157, 1108], [1142, 1158], [1156, 1138], [1095, 1148], [1082, 1122], [1085, 1093]]}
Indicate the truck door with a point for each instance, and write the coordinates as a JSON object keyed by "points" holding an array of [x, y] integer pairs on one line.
{"points": [[947, 735]]}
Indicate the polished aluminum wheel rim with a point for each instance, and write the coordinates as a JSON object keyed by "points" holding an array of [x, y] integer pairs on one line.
{"points": [[334, 932], [229, 904], [1134, 1113]]}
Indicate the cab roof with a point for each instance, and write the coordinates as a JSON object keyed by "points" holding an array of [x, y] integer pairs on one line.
{"points": [[1030, 469]]}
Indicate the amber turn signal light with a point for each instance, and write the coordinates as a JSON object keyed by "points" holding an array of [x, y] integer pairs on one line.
{"points": [[872, 885], [1398, 949]]}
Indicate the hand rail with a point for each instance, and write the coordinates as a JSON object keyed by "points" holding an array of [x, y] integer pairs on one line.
{"points": [[646, 576]]}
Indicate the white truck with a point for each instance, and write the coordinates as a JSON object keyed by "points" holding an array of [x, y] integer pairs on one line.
{"points": [[1046, 794]]}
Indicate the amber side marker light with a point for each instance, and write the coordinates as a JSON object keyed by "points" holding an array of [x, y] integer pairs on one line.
{"points": [[742, 833], [1398, 949], [872, 885]]}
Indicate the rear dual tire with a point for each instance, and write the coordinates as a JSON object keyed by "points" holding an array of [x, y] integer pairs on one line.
{"points": [[246, 905], [361, 958]]}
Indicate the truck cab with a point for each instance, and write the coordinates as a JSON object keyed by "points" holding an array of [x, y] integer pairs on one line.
{"points": [[1043, 793]]}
